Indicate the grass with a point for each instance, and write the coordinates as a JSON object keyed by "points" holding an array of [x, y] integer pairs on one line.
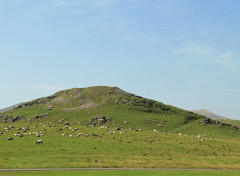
{"points": [[219, 149], [123, 173], [131, 149]]}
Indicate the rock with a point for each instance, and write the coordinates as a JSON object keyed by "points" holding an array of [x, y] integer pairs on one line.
{"points": [[117, 102], [97, 121], [206, 121], [16, 118], [40, 116], [236, 127]]}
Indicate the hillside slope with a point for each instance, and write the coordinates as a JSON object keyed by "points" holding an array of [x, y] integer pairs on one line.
{"points": [[108, 127], [82, 104]]}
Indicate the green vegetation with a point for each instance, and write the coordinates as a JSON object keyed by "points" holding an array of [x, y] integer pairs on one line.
{"points": [[181, 139], [123, 173]]}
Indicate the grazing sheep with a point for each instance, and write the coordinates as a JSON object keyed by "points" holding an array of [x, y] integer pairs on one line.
{"points": [[39, 141], [123, 132], [74, 129], [60, 129], [67, 123], [155, 131], [79, 134], [101, 127]]}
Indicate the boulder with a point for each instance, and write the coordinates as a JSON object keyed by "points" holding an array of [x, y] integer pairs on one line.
{"points": [[97, 121], [16, 118]]}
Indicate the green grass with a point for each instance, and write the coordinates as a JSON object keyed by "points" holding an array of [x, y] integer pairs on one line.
{"points": [[131, 149], [123, 173], [219, 149]]}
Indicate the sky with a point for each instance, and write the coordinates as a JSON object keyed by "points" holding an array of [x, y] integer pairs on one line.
{"points": [[180, 52]]}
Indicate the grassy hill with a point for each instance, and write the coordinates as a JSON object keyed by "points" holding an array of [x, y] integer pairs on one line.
{"points": [[108, 127]]}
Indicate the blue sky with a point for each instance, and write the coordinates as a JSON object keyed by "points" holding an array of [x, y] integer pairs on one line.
{"points": [[180, 52]]}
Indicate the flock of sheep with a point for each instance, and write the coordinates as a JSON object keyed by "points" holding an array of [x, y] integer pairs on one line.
{"points": [[23, 131]]}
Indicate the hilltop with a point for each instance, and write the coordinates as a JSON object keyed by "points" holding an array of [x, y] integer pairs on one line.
{"points": [[82, 104]]}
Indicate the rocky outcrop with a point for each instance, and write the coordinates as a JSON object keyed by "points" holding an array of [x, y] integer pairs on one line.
{"points": [[94, 121]]}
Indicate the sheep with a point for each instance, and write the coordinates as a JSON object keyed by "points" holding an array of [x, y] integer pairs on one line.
{"points": [[74, 129], [79, 134], [112, 132], [122, 132], [39, 141], [60, 129]]}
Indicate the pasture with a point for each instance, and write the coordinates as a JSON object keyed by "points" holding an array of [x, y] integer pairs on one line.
{"points": [[123, 173], [131, 149]]}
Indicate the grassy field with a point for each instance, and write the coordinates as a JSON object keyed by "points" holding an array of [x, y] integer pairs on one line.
{"points": [[130, 149], [184, 139], [123, 173]]}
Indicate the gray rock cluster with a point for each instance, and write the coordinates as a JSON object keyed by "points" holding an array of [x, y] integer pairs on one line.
{"points": [[97, 121], [41, 116]]}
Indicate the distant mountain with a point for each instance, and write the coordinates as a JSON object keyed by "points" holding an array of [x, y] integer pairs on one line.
{"points": [[209, 114], [10, 108]]}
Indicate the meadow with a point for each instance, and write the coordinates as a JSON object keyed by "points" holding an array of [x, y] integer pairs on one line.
{"points": [[131, 149], [150, 135], [123, 173]]}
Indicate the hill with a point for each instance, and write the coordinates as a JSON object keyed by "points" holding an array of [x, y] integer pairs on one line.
{"points": [[82, 104], [209, 114], [9, 108], [108, 127]]}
